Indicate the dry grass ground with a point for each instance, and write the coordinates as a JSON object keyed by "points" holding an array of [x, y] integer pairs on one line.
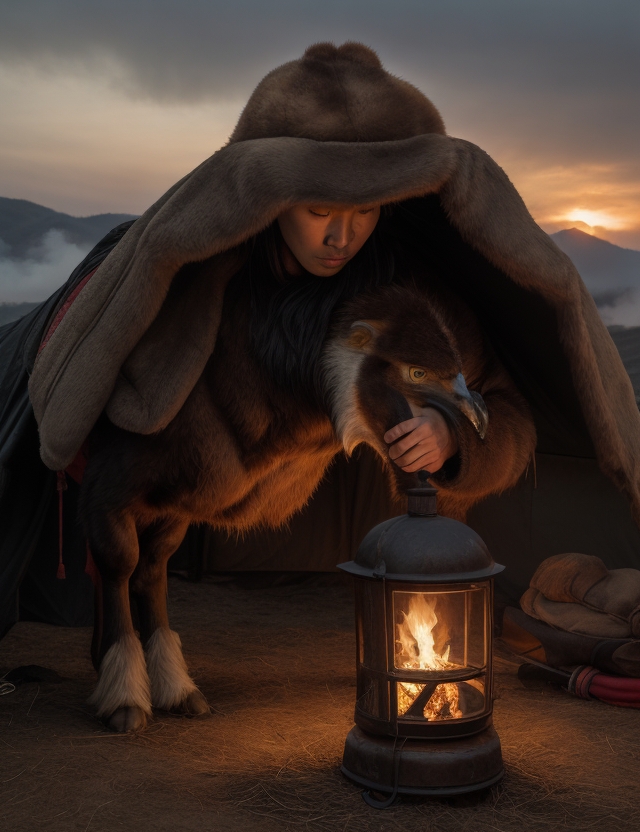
{"points": [[277, 665]]}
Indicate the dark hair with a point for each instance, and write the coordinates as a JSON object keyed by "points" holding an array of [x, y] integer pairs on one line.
{"points": [[290, 316]]}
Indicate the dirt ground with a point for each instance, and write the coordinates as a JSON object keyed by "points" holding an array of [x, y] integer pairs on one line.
{"points": [[277, 665]]}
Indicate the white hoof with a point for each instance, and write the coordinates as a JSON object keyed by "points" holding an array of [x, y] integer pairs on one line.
{"points": [[122, 679], [170, 680]]}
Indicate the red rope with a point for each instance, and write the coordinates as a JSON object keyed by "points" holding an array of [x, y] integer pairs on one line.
{"points": [[589, 683]]}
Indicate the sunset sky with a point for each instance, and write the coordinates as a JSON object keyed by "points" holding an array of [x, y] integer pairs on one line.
{"points": [[106, 104]]}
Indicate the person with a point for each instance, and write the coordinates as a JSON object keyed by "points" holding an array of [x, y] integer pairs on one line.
{"points": [[324, 143], [322, 240]]}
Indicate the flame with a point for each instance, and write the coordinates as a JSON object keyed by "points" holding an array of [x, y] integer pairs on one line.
{"points": [[416, 651]]}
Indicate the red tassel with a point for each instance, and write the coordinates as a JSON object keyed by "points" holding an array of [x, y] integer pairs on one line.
{"points": [[61, 485]]}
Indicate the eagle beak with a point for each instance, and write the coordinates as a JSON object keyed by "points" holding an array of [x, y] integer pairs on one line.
{"points": [[472, 405]]}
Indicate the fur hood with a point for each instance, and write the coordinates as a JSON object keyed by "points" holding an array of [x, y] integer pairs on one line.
{"points": [[334, 127]]}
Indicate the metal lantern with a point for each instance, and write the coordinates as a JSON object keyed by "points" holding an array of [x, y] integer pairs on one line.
{"points": [[424, 628]]}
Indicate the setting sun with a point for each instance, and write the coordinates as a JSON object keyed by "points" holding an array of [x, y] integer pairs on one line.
{"points": [[595, 218]]}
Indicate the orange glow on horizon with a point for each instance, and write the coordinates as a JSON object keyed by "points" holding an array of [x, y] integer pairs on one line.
{"points": [[595, 219], [602, 200]]}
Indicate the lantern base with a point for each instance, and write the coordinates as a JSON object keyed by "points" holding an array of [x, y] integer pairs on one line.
{"points": [[435, 768]]}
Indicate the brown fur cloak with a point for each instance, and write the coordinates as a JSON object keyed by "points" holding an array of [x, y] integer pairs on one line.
{"points": [[335, 127]]}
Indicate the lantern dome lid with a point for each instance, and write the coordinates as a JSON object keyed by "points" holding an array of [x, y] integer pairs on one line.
{"points": [[423, 548]]}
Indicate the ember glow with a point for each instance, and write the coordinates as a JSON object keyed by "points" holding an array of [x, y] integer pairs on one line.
{"points": [[415, 650]]}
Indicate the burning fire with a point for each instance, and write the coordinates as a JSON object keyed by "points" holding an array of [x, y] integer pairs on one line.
{"points": [[416, 651]]}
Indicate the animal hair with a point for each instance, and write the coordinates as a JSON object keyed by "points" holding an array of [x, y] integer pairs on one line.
{"points": [[289, 317], [336, 93], [340, 370], [168, 674], [123, 680]]}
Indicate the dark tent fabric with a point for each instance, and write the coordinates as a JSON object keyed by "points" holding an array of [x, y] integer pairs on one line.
{"points": [[569, 506], [27, 487]]}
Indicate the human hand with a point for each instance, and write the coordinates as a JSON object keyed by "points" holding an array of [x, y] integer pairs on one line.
{"points": [[427, 442]]}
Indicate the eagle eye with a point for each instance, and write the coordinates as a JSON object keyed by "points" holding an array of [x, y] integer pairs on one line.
{"points": [[417, 374]]}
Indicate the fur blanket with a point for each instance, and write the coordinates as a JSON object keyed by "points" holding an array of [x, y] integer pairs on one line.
{"points": [[135, 340]]}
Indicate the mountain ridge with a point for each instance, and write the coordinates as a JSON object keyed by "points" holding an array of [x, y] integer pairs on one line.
{"points": [[611, 273], [23, 224], [577, 236]]}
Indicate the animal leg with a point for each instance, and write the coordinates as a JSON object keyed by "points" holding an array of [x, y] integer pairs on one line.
{"points": [[122, 696], [172, 689]]}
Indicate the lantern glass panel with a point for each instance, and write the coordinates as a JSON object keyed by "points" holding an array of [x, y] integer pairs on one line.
{"points": [[440, 630], [441, 700]]}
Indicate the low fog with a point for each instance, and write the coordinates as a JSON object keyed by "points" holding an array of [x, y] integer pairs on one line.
{"points": [[41, 272], [624, 311]]}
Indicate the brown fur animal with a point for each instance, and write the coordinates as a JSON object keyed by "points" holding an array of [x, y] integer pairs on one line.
{"points": [[242, 452]]}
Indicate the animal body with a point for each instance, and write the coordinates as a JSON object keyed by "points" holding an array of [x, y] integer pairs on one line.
{"points": [[244, 452]]}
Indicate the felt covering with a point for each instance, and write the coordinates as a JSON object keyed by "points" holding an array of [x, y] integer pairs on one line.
{"points": [[28, 500], [98, 357]]}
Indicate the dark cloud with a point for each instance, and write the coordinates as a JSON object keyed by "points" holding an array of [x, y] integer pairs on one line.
{"points": [[553, 75]]}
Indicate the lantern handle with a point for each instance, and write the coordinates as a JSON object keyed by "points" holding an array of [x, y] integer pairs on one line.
{"points": [[422, 500], [374, 802]]}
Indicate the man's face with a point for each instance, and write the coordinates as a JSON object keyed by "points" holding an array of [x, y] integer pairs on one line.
{"points": [[323, 238]]}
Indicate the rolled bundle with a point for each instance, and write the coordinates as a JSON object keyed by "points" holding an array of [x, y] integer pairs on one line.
{"points": [[577, 593]]}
